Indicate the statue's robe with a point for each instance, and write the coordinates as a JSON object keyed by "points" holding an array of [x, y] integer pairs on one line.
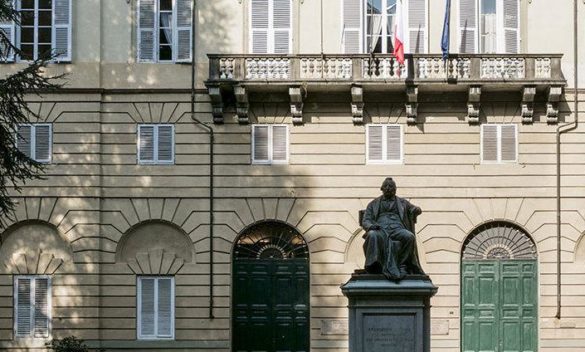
{"points": [[382, 249]]}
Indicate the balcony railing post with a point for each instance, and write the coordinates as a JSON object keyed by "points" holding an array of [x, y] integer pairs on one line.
{"points": [[356, 69], [213, 68], [475, 69], [295, 68], [530, 68]]}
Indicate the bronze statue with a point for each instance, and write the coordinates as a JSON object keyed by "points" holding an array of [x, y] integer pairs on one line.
{"points": [[390, 243]]}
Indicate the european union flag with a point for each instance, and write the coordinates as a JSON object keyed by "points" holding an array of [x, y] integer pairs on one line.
{"points": [[445, 37]]}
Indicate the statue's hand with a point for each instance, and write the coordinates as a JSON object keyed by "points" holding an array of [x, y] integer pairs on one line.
{"points": [[417, 211]]}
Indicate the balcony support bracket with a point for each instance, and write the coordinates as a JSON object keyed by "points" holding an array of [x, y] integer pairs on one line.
{"points": [[242, 104], [411, 105], [296, 104], [528, 93], [357, 104], [473, 105], [216, 104], [552, 104]]}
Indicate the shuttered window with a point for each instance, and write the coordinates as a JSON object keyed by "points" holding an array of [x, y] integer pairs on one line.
{"points": [[44, 30], [384, 144], [499, 143], [269, 144], [32, 306], [489, 26], [271, 26], [35, 141], [369, 26], [164, 30], [156, 144], [156, 307]]}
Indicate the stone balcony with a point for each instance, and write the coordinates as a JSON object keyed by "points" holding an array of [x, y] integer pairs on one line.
{"points": [[295, 74]]}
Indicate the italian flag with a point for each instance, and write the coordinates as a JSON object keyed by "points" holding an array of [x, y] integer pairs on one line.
{"points": [[399, 34]]}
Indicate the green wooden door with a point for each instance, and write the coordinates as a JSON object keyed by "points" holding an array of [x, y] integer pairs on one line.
{"points": [[271, 305], [499, 305]]}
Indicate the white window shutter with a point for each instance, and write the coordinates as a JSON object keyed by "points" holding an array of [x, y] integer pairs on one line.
{"points": [[489, 143], [375, 151], [165, 143], [260, 143], [165, 307], [279, 143], [394, 143], [23, 307], [511, 26], [260, 26], [61, 35], [24, 139], [281, 15], [468, 26], [417, 26], [146, 30], [352, 26], [147, 307], [6, 53], [41, 307], [146, 143], [42, 143], [508, 143], [183, 18]]}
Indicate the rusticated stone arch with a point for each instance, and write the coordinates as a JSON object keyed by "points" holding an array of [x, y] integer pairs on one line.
{"points": [[34, 247], [155, 247]]}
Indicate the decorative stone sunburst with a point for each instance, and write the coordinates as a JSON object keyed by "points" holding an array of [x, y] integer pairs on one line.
{"points": [[499, 240], [271, 240]]}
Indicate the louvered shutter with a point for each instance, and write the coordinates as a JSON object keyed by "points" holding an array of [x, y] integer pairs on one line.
{"points": [[375, 143], [61, 35], [146, 30], [511, 26], [508, 143], [260, 25], [183, 37], [165, 143], [165, 307], [8, 28], [468, 26], [147, 309], [489, 142], [281, 22], [41, 307], [24, 139], [417, 26], [394, 143], [42, 143], [146, 143], [352, 26], [279, 143], [23, 307], [260, 143]]}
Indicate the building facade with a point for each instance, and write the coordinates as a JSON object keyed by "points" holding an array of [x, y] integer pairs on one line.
{"points": [[223, 215]]}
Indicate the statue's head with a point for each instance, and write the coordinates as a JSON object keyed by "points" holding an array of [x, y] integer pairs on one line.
{"points": [[388, 187]]}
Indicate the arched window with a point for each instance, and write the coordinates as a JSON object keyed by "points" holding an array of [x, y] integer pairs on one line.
{"points": [[499, 240], [270, 240]]}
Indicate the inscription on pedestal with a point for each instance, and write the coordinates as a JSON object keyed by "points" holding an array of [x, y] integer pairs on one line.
{"points": [[382, 333]]}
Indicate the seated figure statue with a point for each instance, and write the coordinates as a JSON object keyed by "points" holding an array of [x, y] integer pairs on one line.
{"points": [[390, 243]]}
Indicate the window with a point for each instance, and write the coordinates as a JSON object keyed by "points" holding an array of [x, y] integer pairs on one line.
{"points": [[270, 26], [164, 30], [45, 29], [32, 306], [156, 307], [35, 141], [384, 144], [499, 143], [489, 26], [369, 25], [269, 144], [156, 144]]}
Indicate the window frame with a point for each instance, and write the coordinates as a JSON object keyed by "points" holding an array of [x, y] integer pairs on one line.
{"points": [[499, 144], [385, 160], [156, 278], [155, 138], [15, 302], [33, 141], [270, 160]]}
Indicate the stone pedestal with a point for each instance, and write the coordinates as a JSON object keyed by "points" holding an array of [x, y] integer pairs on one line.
{"points": [[388, 316]]}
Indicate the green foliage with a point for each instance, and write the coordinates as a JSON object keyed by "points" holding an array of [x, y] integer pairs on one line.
{"points": [[68, 344]]}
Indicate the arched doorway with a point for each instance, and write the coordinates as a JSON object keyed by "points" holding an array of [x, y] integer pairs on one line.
{"points": [[499, 287], [270, 291]]}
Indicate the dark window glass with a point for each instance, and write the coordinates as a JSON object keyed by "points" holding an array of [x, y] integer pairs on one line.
{"points": [[166, 5], [45, 35], [27, 18], [45, 18], [45, 4], [165, 53], [165, 36], [44, 50], [27, 4], [27, 35], [27, 51]]}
